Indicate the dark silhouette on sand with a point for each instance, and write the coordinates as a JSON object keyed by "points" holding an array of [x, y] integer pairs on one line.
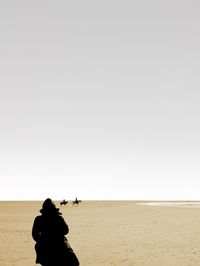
{"points": [[76, 202], [49, 230], [64, 202]]}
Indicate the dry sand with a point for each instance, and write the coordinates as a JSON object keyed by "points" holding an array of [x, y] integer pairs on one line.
{"points": [[108, 233]]}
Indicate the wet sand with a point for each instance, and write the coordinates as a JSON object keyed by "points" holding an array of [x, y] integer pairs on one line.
{"points": [[120, 233]]}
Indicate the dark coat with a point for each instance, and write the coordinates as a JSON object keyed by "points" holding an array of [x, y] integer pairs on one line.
{"points": [[49, 230]]}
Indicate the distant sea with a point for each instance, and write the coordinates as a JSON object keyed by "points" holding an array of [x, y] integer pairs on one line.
{"points": [[185, 204]]}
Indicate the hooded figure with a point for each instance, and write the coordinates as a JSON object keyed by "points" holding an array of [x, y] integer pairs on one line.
{"points": [[49, 230]]}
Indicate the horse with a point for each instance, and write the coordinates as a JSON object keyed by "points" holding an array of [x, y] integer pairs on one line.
{"points": [[76, 202], [64, 202]]}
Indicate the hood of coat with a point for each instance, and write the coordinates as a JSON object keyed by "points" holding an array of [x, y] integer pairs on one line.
{"points": [[49, 208]]}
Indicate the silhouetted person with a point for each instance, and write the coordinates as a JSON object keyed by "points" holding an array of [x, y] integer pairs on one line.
{"points": [[49, 230]]}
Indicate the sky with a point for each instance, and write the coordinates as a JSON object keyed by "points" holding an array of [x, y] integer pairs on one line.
{"points": [[100, 100]]}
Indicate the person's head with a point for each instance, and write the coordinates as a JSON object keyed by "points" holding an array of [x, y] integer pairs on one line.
{"points": [[49, 206]]}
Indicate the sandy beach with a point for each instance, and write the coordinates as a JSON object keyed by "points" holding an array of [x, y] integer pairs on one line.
{"points": [[121, 233]]}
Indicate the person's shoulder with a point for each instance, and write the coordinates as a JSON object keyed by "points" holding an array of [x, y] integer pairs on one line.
{"points": [[60, 217], [38, 218]]}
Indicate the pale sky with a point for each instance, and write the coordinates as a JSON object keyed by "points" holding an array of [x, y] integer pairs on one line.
{"points": [[100, 99]]}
